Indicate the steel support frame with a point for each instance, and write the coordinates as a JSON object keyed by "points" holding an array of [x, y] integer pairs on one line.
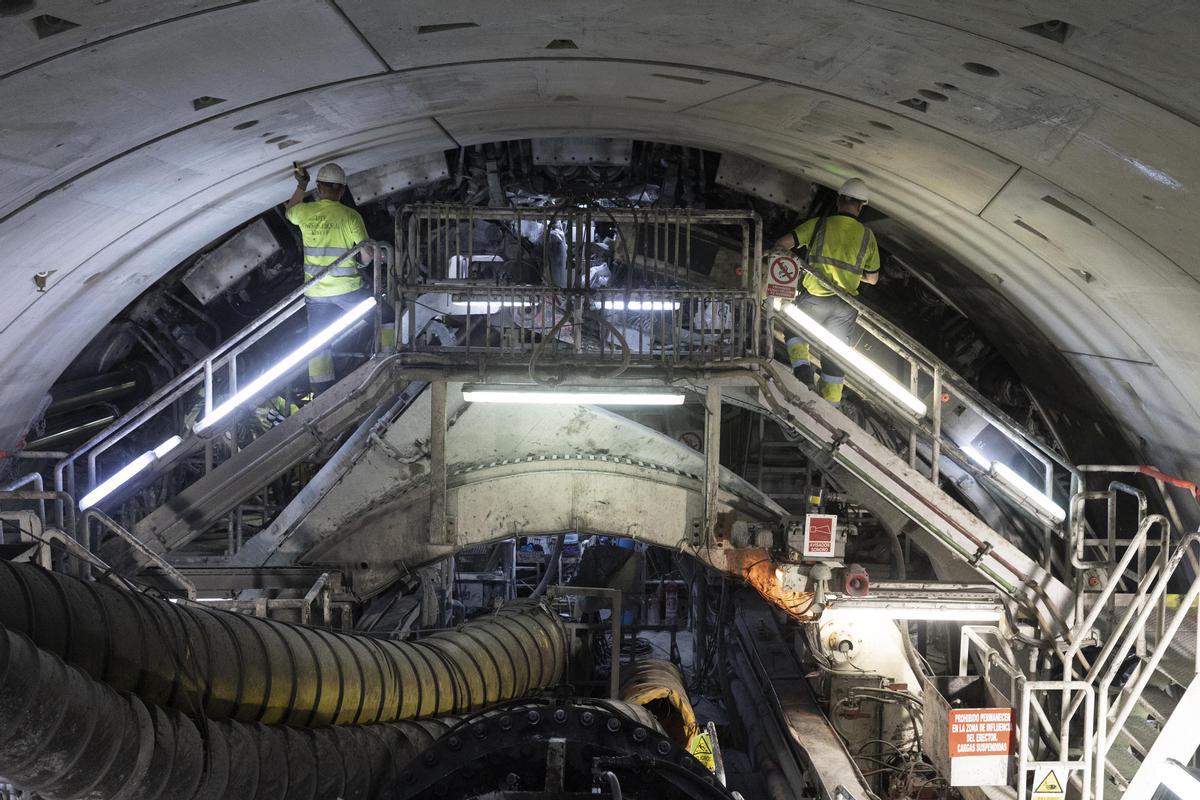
{"points": [[712, 460], [614, 599], [438, 529]]}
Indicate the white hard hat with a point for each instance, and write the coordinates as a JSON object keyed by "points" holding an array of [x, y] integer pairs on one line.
{"points": [[332, 173], [855, 189]]}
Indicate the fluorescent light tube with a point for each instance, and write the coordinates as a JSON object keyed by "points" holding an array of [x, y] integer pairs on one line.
{"points": [[1023, 487], [293, 359], [585, 397], [978, 457], [167, 446], [913, 613], [844, 352], [636, 305], [1180, 780], [485, 306], [127, 473], [1006, 475]]}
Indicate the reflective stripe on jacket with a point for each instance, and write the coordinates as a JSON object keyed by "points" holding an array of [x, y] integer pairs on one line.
{"points": [[330, 230]]}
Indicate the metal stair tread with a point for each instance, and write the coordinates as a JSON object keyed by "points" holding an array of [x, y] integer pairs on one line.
{"points": [[1157, 703], [1180, 667], [1121, 762], [1138, 732]]}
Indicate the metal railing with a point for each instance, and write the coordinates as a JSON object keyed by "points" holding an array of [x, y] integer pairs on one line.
{"points": [[1129, 634], [584, 284], [200, 381], [1066, 744], [928, 376]]}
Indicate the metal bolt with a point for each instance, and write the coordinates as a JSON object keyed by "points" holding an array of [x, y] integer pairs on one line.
{"points": [[430, 758], [664, 747], [480, 731], [505, 722], [639, 735], [587, 718], [534, 717], [560, 715], [613, 724], [454, 743]]}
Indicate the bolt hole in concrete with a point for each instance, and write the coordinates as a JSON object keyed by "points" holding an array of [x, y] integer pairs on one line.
{"points": [[47, 25], [883, 126], [948, 87], [206, 101], [981, 69], [446, 26], [1053, 29], [241, 126], [915, 103], [276, 139], [562, 44], [10, 8], [929, 94]]}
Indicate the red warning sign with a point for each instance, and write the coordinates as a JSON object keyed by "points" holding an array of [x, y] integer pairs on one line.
{"points": [[980, 741], [783, 276], [819, 530]]}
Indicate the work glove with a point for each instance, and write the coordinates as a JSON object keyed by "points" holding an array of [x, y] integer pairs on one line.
{"points": [[300, 173]]}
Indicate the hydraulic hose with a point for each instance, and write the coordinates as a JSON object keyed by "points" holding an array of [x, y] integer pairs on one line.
{"points": [[234, 666]]}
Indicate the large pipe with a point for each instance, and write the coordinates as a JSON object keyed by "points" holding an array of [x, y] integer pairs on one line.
{"points": [[657, 686], [235, 666], [65, 735]]}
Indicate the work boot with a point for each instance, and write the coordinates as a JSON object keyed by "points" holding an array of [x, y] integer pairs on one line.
{"points": [[804, 373]]}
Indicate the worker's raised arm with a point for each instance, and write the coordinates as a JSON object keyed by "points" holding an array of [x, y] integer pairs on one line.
{"points": [[301, 175]]}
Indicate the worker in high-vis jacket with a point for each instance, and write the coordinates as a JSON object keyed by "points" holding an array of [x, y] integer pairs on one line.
{"points": [[843, 252], [329, 231]]}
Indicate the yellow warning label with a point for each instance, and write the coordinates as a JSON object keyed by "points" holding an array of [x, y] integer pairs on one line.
{"points": [[1049, 787], [701, 747]]}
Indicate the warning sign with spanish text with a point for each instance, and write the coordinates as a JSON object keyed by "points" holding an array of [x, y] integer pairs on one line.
{"points": [[819, 530], [980, 741]]}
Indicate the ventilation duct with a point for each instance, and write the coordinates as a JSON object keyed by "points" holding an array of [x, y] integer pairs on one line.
{"points": [[234, 666]]}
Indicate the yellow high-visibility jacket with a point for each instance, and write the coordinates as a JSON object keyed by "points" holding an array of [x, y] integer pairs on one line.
{"points": [[840, 248], [329, 230]]}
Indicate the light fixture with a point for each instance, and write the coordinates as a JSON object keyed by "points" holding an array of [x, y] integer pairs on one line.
{"points": [[583, 397], [855, 610], [290, 362], [1180, 780], [479, 306], [1006, 475], [127, 473], [844, 352], [635, 305]]}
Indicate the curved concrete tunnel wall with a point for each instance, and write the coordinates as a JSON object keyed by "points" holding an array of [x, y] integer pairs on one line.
{"points": [[1066, 181]]}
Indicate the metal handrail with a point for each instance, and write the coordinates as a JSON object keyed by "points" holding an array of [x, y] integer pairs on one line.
{"points": [[944, 377], [202, 371], [1146, 601], [899, 342], [1084, 766], [137, 544]]}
